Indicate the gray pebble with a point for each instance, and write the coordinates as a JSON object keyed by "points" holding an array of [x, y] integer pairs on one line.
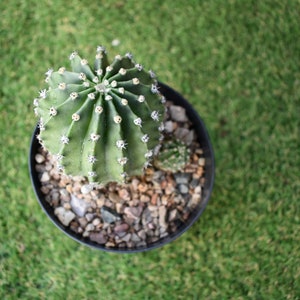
{"points": [[181, 134], [109, 215], [89, 227], [127, 237], [194, 183], [178, 113], [89, 217], [141, 244], [183, 189], [182, 178], [64, 216], [135, 237], [168, 126], [79, 206]]}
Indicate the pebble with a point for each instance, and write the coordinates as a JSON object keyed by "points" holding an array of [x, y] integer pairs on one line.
{"points": [[169, 126], [100, 200], [45, 189], [183, 189], [45, 177], [39, 158], [145, 198], [119, 208], [109, 215], [194, 183], [173, 215], [195, 199], [114, 197], [86, 188], [40, 168], [197, 189], [182, 178], [158, 176], [98, 237], [123, 227], [124, 195], [96, 222], [142, 234], [82, 222], [127, 237], [55, 196], [181, 133], [64, 216], [162, 216], [67, 206], [133, 212], [178, 113], [189, 138], [79, 206], [89, 217], [64, 195], [201, 161], [89, 227]]}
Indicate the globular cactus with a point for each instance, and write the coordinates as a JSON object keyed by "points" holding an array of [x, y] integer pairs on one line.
{"points": [[103, 123], [173, 156]]}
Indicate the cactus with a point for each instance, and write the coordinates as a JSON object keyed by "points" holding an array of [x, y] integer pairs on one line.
{"points": [[103, 123], [173, 156]]}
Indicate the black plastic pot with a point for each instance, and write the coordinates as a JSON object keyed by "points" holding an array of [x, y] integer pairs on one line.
{"points": [[205, 143]]}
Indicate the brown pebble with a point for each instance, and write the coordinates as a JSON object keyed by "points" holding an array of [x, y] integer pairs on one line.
{"points": [[144, 198], [99, 238], [124, 194], [114, 197], [154, 199], [121, 228], [142, 187]]}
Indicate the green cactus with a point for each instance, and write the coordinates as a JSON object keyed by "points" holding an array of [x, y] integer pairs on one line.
{"points": [[173, 156], [103, 123]]}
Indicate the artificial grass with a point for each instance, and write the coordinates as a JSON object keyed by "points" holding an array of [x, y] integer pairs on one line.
{"points": [[237, 62]]}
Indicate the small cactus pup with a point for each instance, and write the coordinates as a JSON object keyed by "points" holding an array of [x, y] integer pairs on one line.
{"points": [[102, 122], [173, 156]]}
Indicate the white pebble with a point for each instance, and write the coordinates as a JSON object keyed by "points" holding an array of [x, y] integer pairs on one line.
{"points": [[39, 158], [45, 177], [86, 188]]}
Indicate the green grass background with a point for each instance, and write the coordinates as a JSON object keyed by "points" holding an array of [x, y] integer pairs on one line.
{"points": [[238, 63]]}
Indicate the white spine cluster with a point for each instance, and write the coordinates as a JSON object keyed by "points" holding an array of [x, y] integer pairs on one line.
{"points": [[94, 137]]}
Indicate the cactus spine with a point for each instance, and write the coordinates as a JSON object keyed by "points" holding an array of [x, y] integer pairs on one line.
{"points": [[103, 123]]}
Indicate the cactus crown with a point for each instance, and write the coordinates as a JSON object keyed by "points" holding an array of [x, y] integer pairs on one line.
{"points": [[173, 156], [103, 123]]}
